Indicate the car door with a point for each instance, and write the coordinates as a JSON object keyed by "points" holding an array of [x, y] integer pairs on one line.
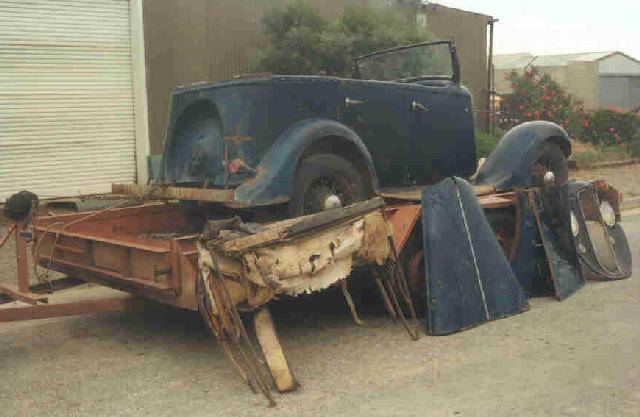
{"points": [[424, 92], [441, 134], [379, 113]]}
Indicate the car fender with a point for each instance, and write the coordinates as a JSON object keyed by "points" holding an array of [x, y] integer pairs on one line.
{"points": [[509, 165], [273, 182]]}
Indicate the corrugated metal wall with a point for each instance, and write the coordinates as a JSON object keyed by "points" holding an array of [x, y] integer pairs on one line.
{"points": [[619, 91], [66, 96], [205, 40], [469, 31]]}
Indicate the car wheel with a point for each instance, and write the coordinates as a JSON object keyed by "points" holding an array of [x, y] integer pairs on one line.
{"points": [[325, 181], [549, 159]]}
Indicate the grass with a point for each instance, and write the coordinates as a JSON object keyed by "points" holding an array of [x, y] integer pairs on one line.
{"points": [[584, 155], [587, 156], [486, 142]]}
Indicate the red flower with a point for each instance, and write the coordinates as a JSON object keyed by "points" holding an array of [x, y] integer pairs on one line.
{"points": [[612, 130]]}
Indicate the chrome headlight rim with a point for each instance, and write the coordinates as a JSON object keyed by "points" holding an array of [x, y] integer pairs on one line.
{"points": [[608, 214], [575, 227]]}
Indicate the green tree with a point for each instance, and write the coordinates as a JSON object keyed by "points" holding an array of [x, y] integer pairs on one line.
{"points": [[301, 42]]}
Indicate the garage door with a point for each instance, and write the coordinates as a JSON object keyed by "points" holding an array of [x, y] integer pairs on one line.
{"points": [[66, 96]]}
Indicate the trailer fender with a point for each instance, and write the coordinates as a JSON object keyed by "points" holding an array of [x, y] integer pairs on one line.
{"points": [[273, 182], [509, 165]]}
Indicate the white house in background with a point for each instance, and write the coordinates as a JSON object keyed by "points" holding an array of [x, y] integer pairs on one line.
{"points": [[598, 79]]}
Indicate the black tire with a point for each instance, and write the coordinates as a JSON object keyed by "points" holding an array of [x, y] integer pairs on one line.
{"points": [[321, 175], [549, 157]]}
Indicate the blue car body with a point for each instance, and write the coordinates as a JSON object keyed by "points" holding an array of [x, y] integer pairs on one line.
{"points": [[269, 123]]}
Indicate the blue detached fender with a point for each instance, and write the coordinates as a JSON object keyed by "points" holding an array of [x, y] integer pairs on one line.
{"points": [[509, 165]]}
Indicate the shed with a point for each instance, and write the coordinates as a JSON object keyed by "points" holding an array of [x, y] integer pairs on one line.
{"points": [[609, 79]]}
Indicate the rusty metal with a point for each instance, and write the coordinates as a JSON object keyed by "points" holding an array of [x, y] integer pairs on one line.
{"points": [[75, 308], [402, 219], [385, 296], [117, 247], [7, 235], [47, 287], [486, 196], [350, 303], [395, 277], [211, 195], [230, 329], [414, 272], [22, 263], [15, 293], [21, 291]]}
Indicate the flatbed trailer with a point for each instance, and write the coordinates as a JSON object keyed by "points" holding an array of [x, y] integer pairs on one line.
{"points": [[160, 250], [150, 250]]}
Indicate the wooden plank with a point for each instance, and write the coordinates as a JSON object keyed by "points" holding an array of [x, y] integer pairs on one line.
{"points": [[288, 229], [329, 217]]}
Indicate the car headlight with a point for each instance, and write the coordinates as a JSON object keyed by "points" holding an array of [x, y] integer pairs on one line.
{"points": [[575, 228], [608, 214]]}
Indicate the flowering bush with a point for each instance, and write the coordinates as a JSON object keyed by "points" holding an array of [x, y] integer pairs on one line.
{"points": [[610, 127], [536, 96]]}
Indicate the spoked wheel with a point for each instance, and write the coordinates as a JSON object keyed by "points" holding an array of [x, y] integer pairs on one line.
{"points": [[325, 193], [323, 182], [550, 166]]}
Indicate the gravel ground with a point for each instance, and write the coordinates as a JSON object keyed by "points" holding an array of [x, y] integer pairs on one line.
{"points": [[580, 357], [625, 179]]}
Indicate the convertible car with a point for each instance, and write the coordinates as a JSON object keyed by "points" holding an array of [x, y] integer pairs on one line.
{"points": [[314, 142]]}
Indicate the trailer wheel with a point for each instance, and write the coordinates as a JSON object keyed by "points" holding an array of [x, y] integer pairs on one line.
{"points": [[549, 158], [325, 181]]}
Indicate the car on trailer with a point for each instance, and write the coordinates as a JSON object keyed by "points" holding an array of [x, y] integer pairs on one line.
{"points": [[370, 172], [315, 142]]}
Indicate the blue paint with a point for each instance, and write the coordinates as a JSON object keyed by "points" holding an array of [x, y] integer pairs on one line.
{"points": [[509, 165], [468, 278], [269, 122]]}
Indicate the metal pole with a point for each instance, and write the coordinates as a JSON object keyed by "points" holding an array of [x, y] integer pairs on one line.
{"points": [[22, 263], [489, 106]]}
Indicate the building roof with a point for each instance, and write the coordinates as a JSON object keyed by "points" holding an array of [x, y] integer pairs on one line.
{"points": [[512, 61], [521, 60], [434, 7]]}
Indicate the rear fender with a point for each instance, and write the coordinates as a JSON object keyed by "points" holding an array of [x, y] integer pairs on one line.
{"points": [[509, 165], [273, 182]]}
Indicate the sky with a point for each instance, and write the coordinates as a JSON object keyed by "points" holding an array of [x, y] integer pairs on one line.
{"points": [[560, 26]]}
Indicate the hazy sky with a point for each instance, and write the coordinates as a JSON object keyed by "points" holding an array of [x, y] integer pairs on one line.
{"points": [[560, 26]]}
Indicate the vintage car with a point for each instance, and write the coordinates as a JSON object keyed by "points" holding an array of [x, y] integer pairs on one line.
{"points": [[316, 141]]}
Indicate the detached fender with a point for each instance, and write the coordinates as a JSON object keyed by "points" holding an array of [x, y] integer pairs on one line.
{"points": [[509, 165], [273, 182]]}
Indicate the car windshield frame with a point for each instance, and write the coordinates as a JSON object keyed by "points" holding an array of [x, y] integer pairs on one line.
{"points": [[455, 68]]}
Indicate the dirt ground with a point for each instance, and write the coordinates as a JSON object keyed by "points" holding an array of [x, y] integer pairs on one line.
{"points": [[626, 179], [579, 357]]}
